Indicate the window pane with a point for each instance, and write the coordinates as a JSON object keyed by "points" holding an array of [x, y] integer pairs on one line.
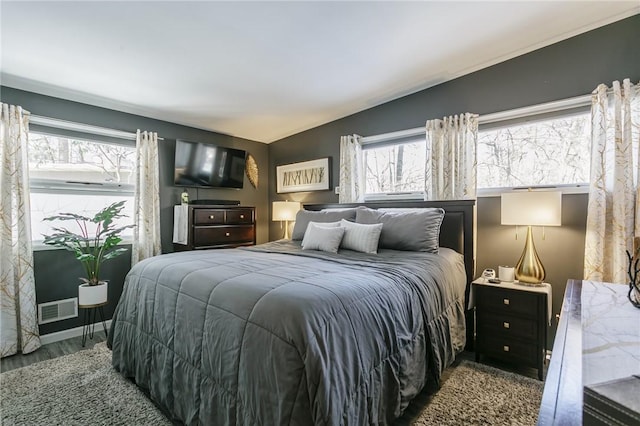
{"points": [[60, 158], [395, 168], [43, 205], [542, 153]]}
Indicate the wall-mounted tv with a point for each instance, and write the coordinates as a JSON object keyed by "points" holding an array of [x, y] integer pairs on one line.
{"points": [[205, 165]]}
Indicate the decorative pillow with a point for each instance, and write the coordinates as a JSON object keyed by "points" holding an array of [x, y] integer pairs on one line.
{"points": [[406, 229], [322, 238], [305, 216], [320, 225], [361, 237]]}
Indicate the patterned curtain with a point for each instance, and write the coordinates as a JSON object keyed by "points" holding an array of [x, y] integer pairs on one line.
{"points": [[351, 170], [613, 215], [18, 320], [146, 216], [450, 172]]}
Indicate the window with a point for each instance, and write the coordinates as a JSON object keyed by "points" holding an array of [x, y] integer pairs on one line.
{"points": [[554, 151], [394, 168], [79, 176]]}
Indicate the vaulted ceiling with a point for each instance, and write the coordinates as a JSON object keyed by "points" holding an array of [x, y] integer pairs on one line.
{"points": [[266, 70]]}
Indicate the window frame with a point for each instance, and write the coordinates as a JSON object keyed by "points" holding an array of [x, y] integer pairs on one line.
{"points": [[66, 129], [538, 112]]}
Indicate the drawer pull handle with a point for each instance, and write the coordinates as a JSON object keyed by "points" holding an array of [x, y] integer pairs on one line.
{"points": [[505, 324], [505, 301], [227, 234], [505, 348], [241, 216], [211, 216]]}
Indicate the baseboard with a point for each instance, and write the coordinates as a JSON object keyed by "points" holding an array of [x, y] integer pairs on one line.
{"points": [[57, 336]]}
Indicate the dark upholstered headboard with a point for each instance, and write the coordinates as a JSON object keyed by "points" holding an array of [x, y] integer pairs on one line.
{"points": [[456, 232]]}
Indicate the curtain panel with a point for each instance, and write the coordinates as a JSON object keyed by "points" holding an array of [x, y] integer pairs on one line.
{"points": [[613, 215], [18, 314], [451, 168], [146, 216], [352, 180]]}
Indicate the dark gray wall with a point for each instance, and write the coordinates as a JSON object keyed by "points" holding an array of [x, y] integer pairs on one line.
{"points": [[56, 271], [566, 69]]}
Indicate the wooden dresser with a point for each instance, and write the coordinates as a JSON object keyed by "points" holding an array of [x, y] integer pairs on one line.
{"points": [[213, 226]]}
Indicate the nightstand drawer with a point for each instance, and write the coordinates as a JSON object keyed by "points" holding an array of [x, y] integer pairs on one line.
{"points": [[506, 301], [507, 326], [208, 217], [220, 235], [508, 349], [239, 216]]}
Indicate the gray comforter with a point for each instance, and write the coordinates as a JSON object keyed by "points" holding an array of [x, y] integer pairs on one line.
{"points": [[274, 335]]}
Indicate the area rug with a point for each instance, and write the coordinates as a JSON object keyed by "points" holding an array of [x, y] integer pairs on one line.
{"points": [[82, 388], [476, 394]]}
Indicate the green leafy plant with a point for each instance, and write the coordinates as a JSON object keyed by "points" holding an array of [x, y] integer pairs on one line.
{"points": [[90, 248]]}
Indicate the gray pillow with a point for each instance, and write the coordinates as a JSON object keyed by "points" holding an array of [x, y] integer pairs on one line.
{"points": [[361, 237], [406, 229], [322, 238], [305, 216]]}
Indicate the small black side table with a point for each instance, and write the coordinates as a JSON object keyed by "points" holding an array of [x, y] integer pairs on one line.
{"points": [[89, 322]]}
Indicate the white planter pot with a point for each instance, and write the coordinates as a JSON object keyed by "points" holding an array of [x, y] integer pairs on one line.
{"points": [[92, 295]]}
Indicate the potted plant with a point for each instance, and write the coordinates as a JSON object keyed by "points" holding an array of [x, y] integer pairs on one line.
{"points": [[95, 241]]}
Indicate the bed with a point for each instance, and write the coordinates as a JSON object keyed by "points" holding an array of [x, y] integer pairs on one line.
{"points": [[274, 334]]}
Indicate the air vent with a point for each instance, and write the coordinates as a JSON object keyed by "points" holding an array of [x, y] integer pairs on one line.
{"points": [[57, 310]]}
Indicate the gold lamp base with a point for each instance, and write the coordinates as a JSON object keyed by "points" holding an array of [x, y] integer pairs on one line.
{"points": [[529, 270], [286, 230]]}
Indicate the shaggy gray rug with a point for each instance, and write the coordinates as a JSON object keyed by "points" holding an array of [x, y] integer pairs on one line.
{"points": [[82, 388]]}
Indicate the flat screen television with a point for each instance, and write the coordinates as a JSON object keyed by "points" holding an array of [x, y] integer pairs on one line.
{"points": [[205, 165]]}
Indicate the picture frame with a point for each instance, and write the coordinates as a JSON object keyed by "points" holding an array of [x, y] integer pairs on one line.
{"points": [[313, 175]]}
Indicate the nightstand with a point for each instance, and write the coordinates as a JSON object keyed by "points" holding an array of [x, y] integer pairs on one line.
{"points": [[511, 322]]}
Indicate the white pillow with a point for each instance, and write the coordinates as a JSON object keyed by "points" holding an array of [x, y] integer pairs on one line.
{"points": [[361, 237], [320, 225], [322, 238]]}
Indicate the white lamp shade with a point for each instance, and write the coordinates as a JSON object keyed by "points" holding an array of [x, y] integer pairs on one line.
{"points": [[285, 210], [535, 208]]}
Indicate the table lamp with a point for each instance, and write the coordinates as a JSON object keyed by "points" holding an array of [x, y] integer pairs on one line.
{"points": [[531, 208], [285, 211]]}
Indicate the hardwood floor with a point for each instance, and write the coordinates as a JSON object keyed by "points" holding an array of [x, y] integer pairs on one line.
{"points": [[52, 350]]}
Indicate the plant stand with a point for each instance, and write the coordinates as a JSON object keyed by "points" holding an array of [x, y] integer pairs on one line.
{"points": [[89, 322]]}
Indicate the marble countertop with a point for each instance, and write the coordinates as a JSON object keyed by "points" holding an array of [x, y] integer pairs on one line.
{"points": [[610, 333]]}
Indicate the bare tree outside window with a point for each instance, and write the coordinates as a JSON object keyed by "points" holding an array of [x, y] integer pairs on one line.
{"points": [[395, 168], [59, 160], [54, 157], [548, 152]]}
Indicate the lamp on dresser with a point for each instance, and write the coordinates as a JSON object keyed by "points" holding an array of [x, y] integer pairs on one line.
{"points": [[531, 208], [285, 211]]}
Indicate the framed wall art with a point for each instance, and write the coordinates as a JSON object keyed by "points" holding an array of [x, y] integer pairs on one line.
{"points": [[311, 175]]}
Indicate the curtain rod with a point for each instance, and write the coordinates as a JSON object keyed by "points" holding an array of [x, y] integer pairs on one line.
{"points": [[79, 127], [555, 106]]}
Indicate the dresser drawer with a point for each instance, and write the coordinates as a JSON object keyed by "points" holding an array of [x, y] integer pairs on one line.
{"points": [[239, 216], [208, 216], [503, 301], [507, 326], [220, 235], [508, 349]]}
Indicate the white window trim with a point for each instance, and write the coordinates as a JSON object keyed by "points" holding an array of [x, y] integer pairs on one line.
{"points": [[512, 114], [529, 111], [38, 245], [58, 186], [55, 186], [570, 188]]}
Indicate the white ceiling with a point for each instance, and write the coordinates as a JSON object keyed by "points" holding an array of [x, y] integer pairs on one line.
{"points": [[266, 70]]}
